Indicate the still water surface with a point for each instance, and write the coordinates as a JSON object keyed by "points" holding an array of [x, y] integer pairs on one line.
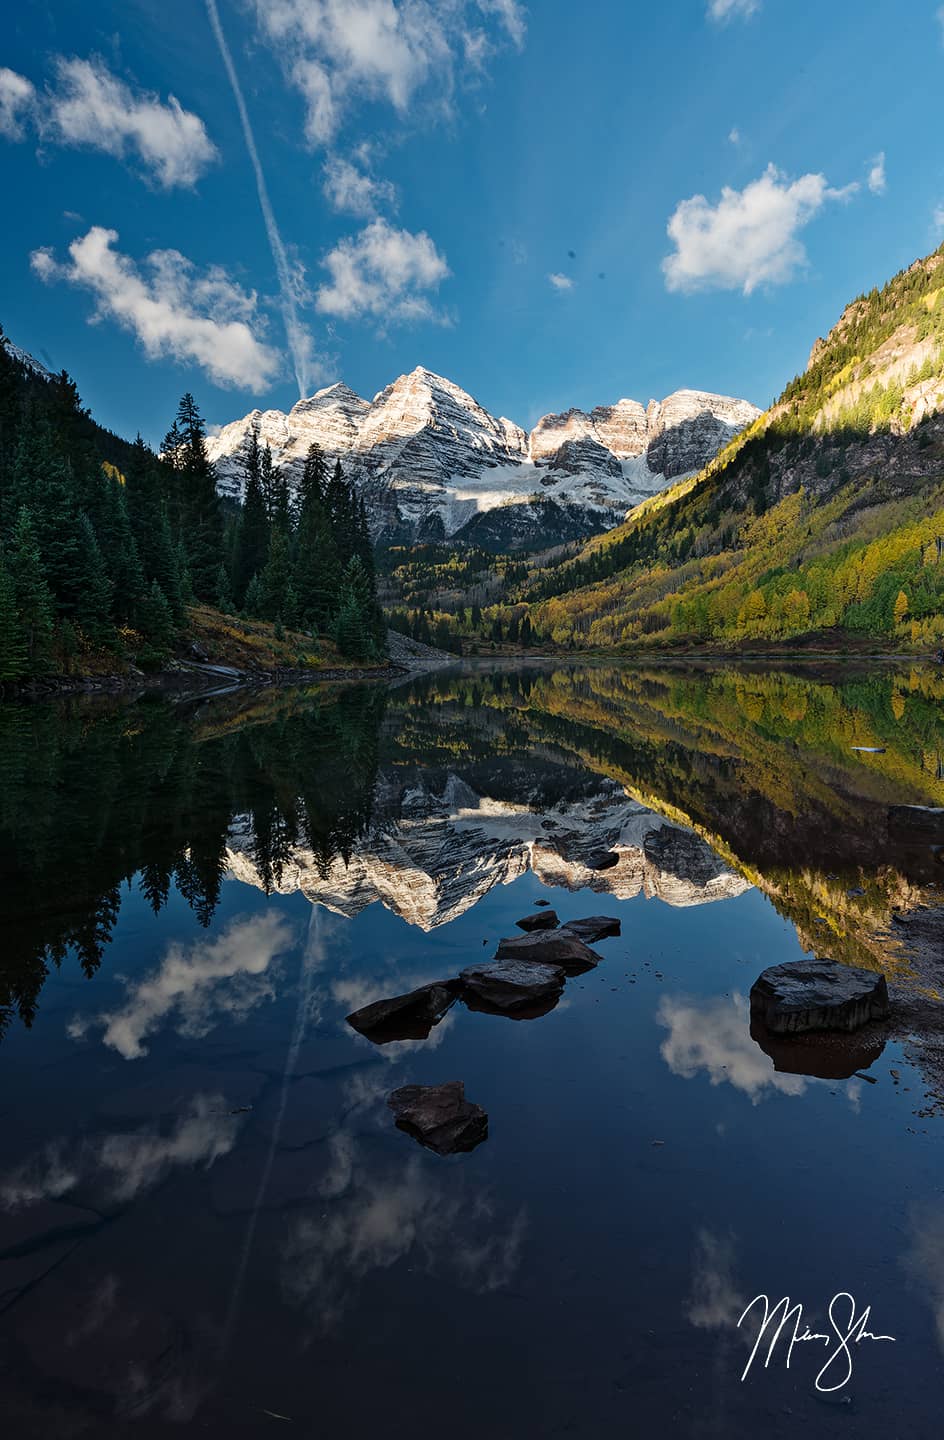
{"points": [[209, 1223]]}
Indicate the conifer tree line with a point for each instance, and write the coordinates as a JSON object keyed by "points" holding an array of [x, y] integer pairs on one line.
{"points": [[103, 544], [306, 561]]}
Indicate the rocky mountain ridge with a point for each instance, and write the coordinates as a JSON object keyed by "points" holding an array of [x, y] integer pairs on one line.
{"points": [[430, 461], [448, 847]]}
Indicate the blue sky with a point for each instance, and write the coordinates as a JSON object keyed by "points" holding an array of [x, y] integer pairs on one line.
{"points": [[481, 187]]}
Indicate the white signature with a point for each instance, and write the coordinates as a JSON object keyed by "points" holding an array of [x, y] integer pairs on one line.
{"points": [[847, 1330]]}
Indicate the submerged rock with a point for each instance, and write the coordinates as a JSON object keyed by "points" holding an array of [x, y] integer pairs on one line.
{"points": [[544, 920], [439, 1116], [506, 986], [818, 994], [552, 947], [593, 927], [405, 1017]]}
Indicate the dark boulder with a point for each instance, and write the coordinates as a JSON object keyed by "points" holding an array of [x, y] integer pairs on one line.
{"points": [[439, 1116], [808, 995], [509, 986], [550, 947], [592, 928], [544, 920], [405, 1017]]}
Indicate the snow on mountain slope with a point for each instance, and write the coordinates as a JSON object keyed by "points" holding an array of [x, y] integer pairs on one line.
{"points": [[429, 459], [23, 357], [448, 847]]}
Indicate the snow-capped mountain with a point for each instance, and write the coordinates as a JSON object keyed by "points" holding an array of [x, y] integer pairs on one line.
{"points": [[28, 361], [429, 460], [446, 848]]}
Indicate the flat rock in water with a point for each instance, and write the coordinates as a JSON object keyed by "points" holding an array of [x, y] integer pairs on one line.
{"points": [[509, 985], [921, 821], [808, 995], [552, 947], [439, 1116], [544, 920], [593, 927], [542, 902], [405, 1017]]}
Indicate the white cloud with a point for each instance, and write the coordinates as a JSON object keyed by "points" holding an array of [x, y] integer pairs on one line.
{"points": [[725, 10], [227, 976], [712, 1037], [17, 98], [89, 106], [750, 238], [940, 20], [715, 1301], [353, 191], [561, 282], [511, 14], [382, 272], [372, 1214], [173, 310], [393, 50], [124, 1164], [876, 182], [734, 135], [938, 217]]}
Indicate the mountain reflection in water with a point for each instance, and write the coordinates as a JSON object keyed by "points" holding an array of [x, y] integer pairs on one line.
{"points": [[195, 895]]}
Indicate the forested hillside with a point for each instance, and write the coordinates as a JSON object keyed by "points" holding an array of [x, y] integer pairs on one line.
{"points": [[825, 515], [105, 545]]}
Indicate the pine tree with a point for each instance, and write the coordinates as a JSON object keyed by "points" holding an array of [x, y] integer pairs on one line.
{"points": [[201, 515], [251, 546], [317, 573], [267, 479], [311, 491], [92, 610], [13, 658], [33, 599], [156, 621], [116, 541], [276, 577], [353, 627], [253, 602], [281, 504], [162, 564], [224, 598]]}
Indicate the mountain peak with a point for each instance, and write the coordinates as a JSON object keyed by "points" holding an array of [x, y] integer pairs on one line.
{"points": [[429, 458]]}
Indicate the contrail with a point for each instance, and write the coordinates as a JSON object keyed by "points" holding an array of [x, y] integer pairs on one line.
{"points": [[299, 341], [311, 960]]}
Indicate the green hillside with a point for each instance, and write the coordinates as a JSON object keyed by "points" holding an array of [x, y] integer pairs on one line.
{"points": [[825, 519]]}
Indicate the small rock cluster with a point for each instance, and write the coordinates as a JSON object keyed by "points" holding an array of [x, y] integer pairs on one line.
{"points": [[523, 980], [525, 970]]}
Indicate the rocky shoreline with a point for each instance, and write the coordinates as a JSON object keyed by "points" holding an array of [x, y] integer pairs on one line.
{"points": [[201, 674]]}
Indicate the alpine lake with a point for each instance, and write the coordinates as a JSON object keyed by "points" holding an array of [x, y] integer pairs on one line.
{"points": [[211, 1222]]}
